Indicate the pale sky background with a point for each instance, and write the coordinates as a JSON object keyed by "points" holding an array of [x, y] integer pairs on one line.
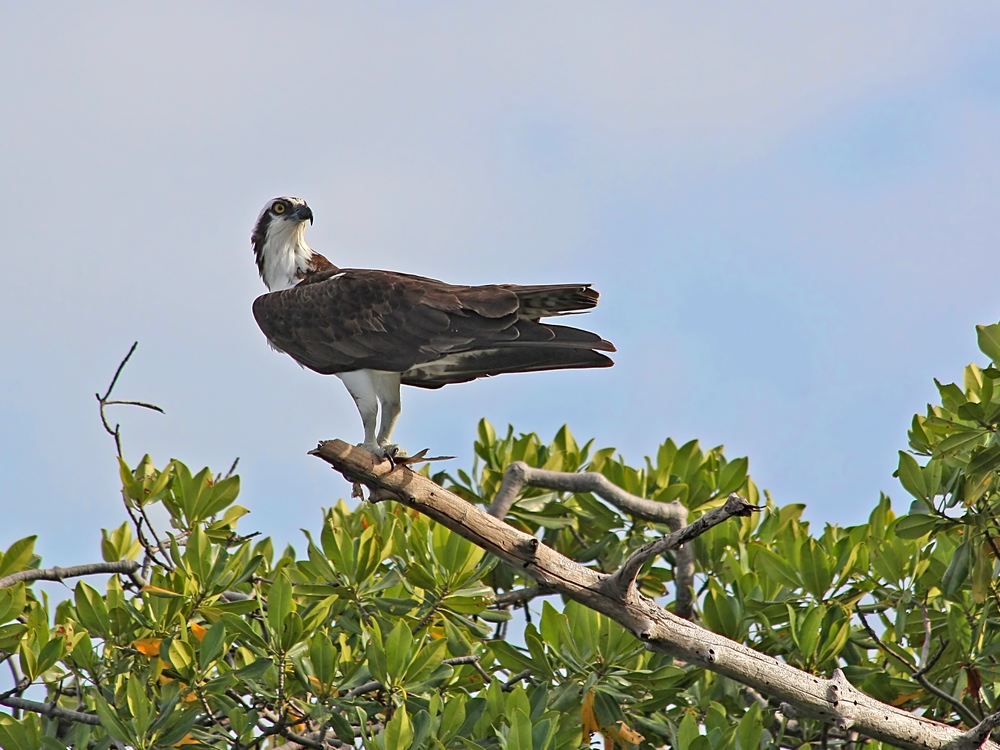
{"points": [[790, 210]]}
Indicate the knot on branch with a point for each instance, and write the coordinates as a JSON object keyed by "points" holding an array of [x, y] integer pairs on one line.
{"points": [[841, 694]]}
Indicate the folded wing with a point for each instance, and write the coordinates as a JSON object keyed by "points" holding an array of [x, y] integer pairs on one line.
{"points": [[431, 332]]}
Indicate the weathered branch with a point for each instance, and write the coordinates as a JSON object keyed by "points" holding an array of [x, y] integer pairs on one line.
{"points": [[978, 735], [623, 579], [51, 710], [518, 475], [128, 567], [834, 701]]}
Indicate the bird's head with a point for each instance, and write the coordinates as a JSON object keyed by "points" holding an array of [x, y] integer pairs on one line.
{"points": [[279, 241]]}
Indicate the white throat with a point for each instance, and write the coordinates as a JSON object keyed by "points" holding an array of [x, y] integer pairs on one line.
{"points": [[285, 255]]}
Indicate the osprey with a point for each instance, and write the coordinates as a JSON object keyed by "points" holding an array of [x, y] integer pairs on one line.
{"points": [[376, 330]]}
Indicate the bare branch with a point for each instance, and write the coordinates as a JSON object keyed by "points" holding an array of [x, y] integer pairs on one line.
{"points": [[51, 710], [919, 674], [368, 687], [518, 475], [143, 404], [127, 567], [975, 737], [624, 578], [519, 597], [106, 401], [512, 682], [834, 701]]}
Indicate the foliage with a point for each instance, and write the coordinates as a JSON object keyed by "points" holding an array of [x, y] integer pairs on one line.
{"points": [[386, 630]]}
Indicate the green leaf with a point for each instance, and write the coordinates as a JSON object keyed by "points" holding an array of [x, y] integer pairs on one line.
{"points": [[958, 570], [211, 645], [247, 635], [519, 737], [181, 657], [91, 610], [982, 576], [342, 728], [12, 601], [914, 525], [398, 731], [279, 603], [18, 556], [911, 476], [323, 658], [732, 475], [687, 731], [397, 649], [51, 653], [14, 735], [254, 670], [110, 721], [989, 341], [138, 705], [421, 729], [750, 729]]}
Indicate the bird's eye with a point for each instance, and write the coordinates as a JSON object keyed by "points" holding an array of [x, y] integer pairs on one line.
{"points": [[278, 208]]}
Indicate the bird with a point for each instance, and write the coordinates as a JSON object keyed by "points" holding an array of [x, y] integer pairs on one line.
{"points": [[377, 330]]}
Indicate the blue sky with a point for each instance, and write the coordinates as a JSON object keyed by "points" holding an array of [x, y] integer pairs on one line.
{"points": [[790, 214]]}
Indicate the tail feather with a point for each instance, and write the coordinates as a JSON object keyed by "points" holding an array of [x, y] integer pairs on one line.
{"points": [[461, 368], [543, 300]]}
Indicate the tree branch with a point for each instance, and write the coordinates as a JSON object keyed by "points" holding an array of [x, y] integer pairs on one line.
{"points": [[519, 597], [51, 710], [518, 475], [834, 701], [623, 579], [919, 674], [128, 567], [975, 737]]}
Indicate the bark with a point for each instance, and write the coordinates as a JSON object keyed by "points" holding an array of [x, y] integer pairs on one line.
{"points": [[833, 700]]}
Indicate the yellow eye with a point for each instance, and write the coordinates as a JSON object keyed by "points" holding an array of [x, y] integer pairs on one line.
{"points": [[278, 208]]}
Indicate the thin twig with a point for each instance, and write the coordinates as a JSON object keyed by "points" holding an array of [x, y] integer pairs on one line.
{"points": [[623, 579], [967, 716]]}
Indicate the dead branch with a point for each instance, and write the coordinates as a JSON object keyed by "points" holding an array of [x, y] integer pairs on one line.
{"points": [[519, 475], [105, 401], [127, 567], [623, 579], [834, 701], [978, 735]]}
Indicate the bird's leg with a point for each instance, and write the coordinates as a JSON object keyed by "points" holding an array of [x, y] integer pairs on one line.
{"points": [[387, 390], [362, 389]]}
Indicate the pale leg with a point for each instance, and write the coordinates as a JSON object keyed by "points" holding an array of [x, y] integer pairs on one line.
{"points": [[360, 384], [387, 391]]}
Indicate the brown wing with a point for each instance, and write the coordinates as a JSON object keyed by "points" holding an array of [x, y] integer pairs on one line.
{"points": [[379, 320]]}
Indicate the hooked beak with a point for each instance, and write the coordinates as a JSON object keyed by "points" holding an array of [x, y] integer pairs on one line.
{"points": [[304, 213]]}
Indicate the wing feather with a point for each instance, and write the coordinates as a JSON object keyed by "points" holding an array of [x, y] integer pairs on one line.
{"points": [[379, 320]]}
